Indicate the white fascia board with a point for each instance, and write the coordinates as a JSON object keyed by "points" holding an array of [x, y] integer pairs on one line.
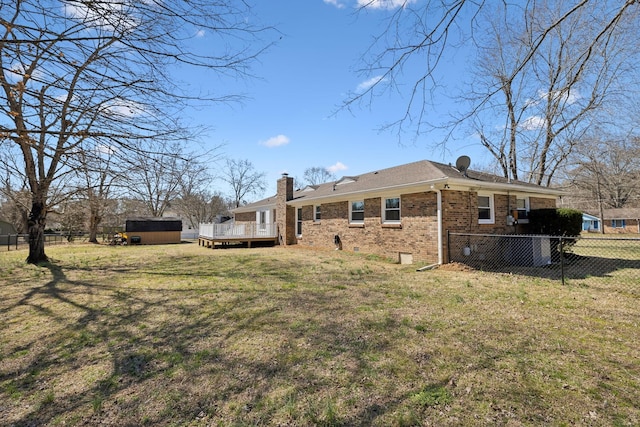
{"points": [[254, 208], [377, 192], [466, 185]]}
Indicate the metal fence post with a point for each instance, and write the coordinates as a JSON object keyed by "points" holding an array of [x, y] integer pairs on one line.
{"points": [[448, 246], [562, 259]]}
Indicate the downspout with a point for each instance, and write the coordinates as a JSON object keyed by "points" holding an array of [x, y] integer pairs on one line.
{"points": [[440, 231]]}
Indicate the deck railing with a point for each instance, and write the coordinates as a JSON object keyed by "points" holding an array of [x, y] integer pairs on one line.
{"points": [[244, 230]]}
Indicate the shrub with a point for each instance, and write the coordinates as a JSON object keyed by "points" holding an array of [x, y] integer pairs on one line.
{"points": [[555, 222]]}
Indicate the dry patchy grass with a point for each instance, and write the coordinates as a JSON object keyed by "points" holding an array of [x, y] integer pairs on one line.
{"points": [[188, 336]]}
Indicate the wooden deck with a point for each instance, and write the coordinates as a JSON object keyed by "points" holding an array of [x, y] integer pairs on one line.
{"points": [[225, 234]]}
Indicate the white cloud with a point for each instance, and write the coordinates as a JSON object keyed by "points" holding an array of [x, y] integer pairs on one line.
{"points": [[108, 15], [384, 4], [16, 72], [124, 108], [533, 123], [339, 166], [200, 33], [276, 141], [568, 98], [368, 83], [105, 149], [335, 3]]}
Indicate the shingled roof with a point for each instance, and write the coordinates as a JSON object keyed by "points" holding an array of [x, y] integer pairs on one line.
{"points": [[420, 173], [618, 213]]}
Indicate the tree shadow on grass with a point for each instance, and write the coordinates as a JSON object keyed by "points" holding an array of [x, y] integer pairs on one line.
{"points": [[609, 273], [128, 356]]}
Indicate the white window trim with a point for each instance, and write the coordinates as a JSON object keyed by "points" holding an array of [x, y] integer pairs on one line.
{"points": [[527, 208], [384, 211], [315, 213], [492, 219], [358, 221], [298, 222]]}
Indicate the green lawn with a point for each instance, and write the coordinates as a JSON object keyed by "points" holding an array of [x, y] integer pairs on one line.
{"points": [[187, 336]]}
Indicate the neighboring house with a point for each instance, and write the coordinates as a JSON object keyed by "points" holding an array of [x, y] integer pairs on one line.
{"points": [[153, 231], [403, 210], [590, 223], [621, 220], [6, 230]]}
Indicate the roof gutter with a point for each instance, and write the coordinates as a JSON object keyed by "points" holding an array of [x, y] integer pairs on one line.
{"points": [[505, 186], [388, 189]]}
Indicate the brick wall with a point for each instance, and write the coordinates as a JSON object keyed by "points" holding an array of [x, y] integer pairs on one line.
{"points": [[460, 213], [245, 217], [417, 233], [542, 203], [285, 215], [630, 226]]}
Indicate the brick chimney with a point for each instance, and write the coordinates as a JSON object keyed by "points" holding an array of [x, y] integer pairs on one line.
{"points": [[285, 215]]}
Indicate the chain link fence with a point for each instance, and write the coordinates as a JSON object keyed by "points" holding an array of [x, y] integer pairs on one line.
{"points": [[606, 261]]}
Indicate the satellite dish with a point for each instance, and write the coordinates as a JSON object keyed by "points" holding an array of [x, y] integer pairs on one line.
{"points": [[462, 164]]}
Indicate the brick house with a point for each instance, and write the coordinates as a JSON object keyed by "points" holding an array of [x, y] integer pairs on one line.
{"points": [[621, 220], [402, 210]]}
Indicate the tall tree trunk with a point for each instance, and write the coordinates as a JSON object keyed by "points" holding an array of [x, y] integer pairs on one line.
{"points": [[94, 222], [37, 221]]}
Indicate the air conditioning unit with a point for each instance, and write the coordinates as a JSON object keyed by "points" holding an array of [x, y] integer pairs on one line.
{"points": [[528, 251]]}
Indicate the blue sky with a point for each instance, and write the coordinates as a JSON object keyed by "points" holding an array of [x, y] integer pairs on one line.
{"points": [[289, 121]]}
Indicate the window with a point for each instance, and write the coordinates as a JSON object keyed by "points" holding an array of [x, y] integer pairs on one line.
{"points": [[485, 209], [618, 223], [356, 211], [263, 220], [317, 213], [391, 210], [522, 206], [299, 221]]}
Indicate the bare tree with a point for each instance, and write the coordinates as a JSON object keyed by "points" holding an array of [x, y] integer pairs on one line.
{"points": [[244, 180], [14, 207], [549, 105], [418, 35], [77, 75], [604, 173], [196, 204], [72, 218], [317, 175], [201, 207], [98, 175], [154, 176]]}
